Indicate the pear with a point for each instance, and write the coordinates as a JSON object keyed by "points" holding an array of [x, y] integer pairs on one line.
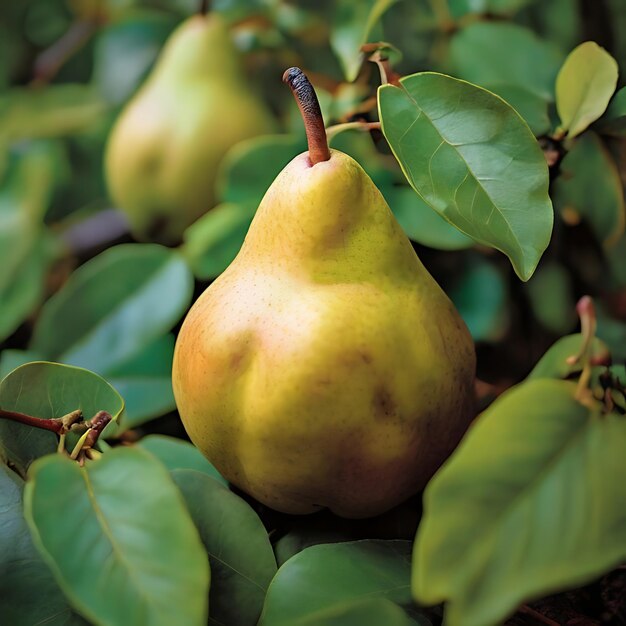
{"points": [[163, 152], [325, 367]]}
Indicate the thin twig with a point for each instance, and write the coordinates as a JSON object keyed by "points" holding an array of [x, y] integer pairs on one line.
{"points": [[332, 131], [51, 60]]}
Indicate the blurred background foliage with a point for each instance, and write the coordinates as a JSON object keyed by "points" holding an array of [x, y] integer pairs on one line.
{"points": [[76, 288]]}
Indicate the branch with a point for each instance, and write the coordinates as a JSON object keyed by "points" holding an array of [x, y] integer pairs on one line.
{"points": [[55, 425], [51, 60]]}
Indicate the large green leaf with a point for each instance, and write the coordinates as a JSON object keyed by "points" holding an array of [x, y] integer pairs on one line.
{"points": [[305, 535], [28, 592], [48, 390], [145, 382], [177, 454], [422, 224], [489, 52], [351, 26], [590, 187], [533, 108], [360, 612], [240, 553], [118, 539], [537, 479], [584, 86], [114, 306], [471, 157], [326, 575]]}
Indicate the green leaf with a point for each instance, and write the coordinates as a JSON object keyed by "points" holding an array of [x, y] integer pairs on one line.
{"points": [[145, 383], [256, 161], [352, 23], [240, 553], [360, 612], [118, 539], [533, 108], [584, 86], [553, 364], [25, 248], [459, 8], [361, 148], [28, 592], [177, 454], [471, 157], [212, 242], [48, 390], [422, 224], [481, 295], [306, 535], [114, 306], [551, 295], [613, 122], [499, 52], [11, 359], [23, 291], [323, 576], [536, 478], [53, 111], [125, 51], [589, 187]]}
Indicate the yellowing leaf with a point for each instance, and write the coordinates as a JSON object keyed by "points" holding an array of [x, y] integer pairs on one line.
{"points": [[584, 86]]}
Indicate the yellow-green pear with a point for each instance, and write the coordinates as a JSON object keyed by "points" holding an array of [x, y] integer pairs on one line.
{"points": [[164, 150], [325, 367]]}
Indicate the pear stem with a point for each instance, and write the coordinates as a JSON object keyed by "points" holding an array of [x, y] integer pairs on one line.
{"points": [[311, 114], [204, 7]]}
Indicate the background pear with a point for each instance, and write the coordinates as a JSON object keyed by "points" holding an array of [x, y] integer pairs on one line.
{"points": [[163, 153], [325, 367]]}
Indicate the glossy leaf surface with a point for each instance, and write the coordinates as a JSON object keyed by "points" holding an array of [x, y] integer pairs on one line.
{"points": [[472, 158], [536, 479], [129, 553]]}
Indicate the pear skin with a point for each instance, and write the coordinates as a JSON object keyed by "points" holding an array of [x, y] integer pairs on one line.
{"points": [[164, 150], [325, 367]]}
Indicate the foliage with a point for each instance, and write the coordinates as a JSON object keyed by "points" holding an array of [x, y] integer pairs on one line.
{"points": [[490, 126]]}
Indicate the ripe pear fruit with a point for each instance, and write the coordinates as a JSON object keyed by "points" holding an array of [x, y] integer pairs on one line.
{"points": [[163, 153], [325, 367]]}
